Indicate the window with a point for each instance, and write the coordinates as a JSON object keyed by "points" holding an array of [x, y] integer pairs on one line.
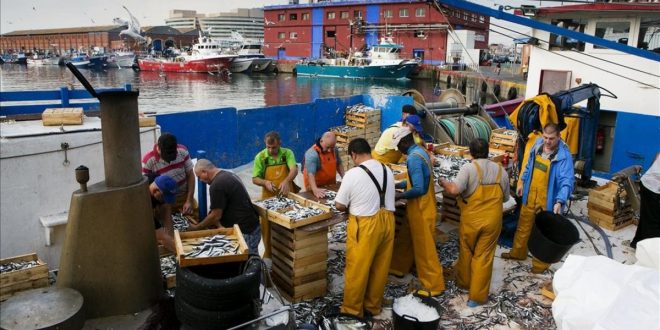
{"points": [[357, 13], [482, 19], [649, 34], [387, 13], [293, 35], [281, 35], [403, 12], [330, 34], [280, 17], [331, 15], [561, 42], [343, 14], [420, 12], [613, 31], [305, 16], [293, 17]]}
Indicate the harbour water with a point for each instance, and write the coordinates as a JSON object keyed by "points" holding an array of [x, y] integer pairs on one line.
{"points": [[168, 92]]}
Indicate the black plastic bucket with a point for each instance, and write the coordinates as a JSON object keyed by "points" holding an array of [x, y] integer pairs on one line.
{"points": [[552, 236], [406, 322]]}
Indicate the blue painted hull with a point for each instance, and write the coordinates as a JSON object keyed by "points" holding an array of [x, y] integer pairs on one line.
{"points": [[364, 72]]}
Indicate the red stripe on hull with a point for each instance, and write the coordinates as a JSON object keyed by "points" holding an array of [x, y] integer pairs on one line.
{"points": [[205, 65]]}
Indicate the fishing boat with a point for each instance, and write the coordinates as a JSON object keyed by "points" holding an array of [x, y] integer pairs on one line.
{"points": [[121, 59], [81, 61], [14, 58], [382, 61], [187, 63]]}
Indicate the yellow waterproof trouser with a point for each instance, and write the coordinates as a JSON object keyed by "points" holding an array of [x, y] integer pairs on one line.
{"points": [[403, 259], [390, 157], [369, 245], [536, 202], [481, 223]]}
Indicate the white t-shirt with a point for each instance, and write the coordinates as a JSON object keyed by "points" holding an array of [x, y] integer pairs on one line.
{"points": [[359, 192], [651, 179]]}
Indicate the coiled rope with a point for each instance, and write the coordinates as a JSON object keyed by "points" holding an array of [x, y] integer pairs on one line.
{"points": [[473, 127]]}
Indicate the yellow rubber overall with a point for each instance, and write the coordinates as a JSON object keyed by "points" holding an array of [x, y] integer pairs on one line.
{"points": [[481, 223], [276, 174], [390, 157]]}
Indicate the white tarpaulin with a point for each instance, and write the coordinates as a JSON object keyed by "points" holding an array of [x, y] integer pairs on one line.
{"points": [[600, 293]]}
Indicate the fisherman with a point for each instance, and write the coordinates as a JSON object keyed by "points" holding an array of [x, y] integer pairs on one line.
{"points": [[322, 164], [421, 216], [649, 208], [414, 123], [162, 189], [483, 186], [367, 192], [384, 151], [172, 159], [545, 184], [230, 203], [274, 170]]}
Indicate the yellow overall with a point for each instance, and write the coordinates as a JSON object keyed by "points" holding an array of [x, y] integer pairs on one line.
{"points": [[403, 260], [369, 245], [536, 202], [421, 214], [481, 223], [276, 174], [390, 157]]}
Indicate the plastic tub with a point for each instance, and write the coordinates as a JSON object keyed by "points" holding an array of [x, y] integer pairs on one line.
{"points": [[552, 236], [407, 322]]}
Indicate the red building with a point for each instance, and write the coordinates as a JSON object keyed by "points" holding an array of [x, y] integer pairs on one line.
{"points": [[318, 29]]}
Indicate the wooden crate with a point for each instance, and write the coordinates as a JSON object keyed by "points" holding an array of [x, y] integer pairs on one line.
{"points": [[605, 209], [547, 291], [279, 218], [62, 116], [496, 155], [299, 262], [363, 117], [454, 150], [347, 136], [450, 210], [184, 241], [605, 197], [23, 279], [439, 146], [402, 169], [147, 121]]}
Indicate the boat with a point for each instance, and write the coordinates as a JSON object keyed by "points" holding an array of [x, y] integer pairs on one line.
{"points": [[121, 59], [14, 58], [98, 61], [382, 62], [187, 63], [36, 60]]}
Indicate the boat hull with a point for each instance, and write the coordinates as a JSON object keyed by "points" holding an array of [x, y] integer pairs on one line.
{"points": [[199, 66], [365, 72], [241, 65], [261, 65]]}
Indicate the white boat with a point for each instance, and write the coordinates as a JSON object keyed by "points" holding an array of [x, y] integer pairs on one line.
{"points": [[121, 59]]}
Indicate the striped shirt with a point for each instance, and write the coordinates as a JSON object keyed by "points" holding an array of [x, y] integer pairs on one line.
{"points": [[176, 169]]}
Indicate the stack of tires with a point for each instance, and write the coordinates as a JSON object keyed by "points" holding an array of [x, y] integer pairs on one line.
{"points": [[218, 296]]}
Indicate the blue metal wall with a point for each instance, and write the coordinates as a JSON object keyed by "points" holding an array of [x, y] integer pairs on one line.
{"points": [[233, 137], [636, 141], [372, 16], [317, 32]]}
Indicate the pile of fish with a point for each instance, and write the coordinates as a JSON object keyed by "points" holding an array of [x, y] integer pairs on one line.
{"points": [[343, 129], [180, 222], [302, 212], [360, 108], [276, 203], [447, 167], [167, 265], [329, 200], [213, 246], [17, 265]]}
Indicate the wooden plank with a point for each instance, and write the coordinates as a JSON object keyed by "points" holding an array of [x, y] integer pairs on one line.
{"points": [[603, 203], [296, 234], [604, 218], [546, 290], [184, 241], [308, 251], [614, 213], [7, 292], [284, 258], [301, 276], [301, 243]]}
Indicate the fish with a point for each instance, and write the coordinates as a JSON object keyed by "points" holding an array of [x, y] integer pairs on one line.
{"points": [[302, 212], [17, 265], [213, 246], [276, 203]]}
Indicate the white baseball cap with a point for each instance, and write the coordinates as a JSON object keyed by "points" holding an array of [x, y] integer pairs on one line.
{"points": [[400, 134]]}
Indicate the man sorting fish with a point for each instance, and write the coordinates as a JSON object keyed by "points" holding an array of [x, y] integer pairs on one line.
{"points": [[367, 192], [322, 164], [163, 195], [230, 203]]}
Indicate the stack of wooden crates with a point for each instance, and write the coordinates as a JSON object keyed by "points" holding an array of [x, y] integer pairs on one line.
{"points": [[609, 208], [504, 139], [363, 122]]}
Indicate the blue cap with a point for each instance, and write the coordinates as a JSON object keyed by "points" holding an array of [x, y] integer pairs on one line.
{"points": [[167, 187], [416, 122]]}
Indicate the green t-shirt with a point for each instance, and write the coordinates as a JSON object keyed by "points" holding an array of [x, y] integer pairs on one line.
{"points": [[263, 158]]}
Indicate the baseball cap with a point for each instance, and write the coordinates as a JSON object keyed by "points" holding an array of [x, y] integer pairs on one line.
{"points": [[167, 144], [416, 122], [400, 134], [167, 187]]}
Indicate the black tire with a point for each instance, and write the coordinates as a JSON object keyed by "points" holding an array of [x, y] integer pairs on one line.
{"points": [[198, 318], [219, 287]]}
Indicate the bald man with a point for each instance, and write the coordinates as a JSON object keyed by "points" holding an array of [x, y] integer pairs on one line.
{"points": [[321, 164]]}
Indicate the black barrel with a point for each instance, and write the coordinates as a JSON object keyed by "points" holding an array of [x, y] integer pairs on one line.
{"points": [[552, 236], [407, 322]]}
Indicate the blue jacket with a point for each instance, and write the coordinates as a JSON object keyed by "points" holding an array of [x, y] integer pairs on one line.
{"points": [[419, 173], [560, 178]]}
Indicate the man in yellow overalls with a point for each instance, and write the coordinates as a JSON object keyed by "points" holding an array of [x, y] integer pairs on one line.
{"points": [[483, 186], [385, 151], [545, 184], [367, 192], [421, 215], [274, 170]]}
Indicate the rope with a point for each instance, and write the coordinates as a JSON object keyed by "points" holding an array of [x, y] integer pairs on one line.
{"points": [[473, 127]]}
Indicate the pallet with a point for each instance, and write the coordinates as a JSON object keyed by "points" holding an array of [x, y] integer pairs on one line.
{"points": [[279, 218], [23, 279], [184, 240], [299, 262]]}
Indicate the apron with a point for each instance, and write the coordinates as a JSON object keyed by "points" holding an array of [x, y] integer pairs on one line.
{"points": [[479, 229], [275, 173], [369, 241], [421, 214], [327, 174]]}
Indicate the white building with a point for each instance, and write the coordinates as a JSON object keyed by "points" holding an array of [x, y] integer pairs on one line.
{"points": [[248, 22]]}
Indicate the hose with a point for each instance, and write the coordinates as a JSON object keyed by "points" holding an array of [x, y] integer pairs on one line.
{"points": [[608, 245], [473, 127]]}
